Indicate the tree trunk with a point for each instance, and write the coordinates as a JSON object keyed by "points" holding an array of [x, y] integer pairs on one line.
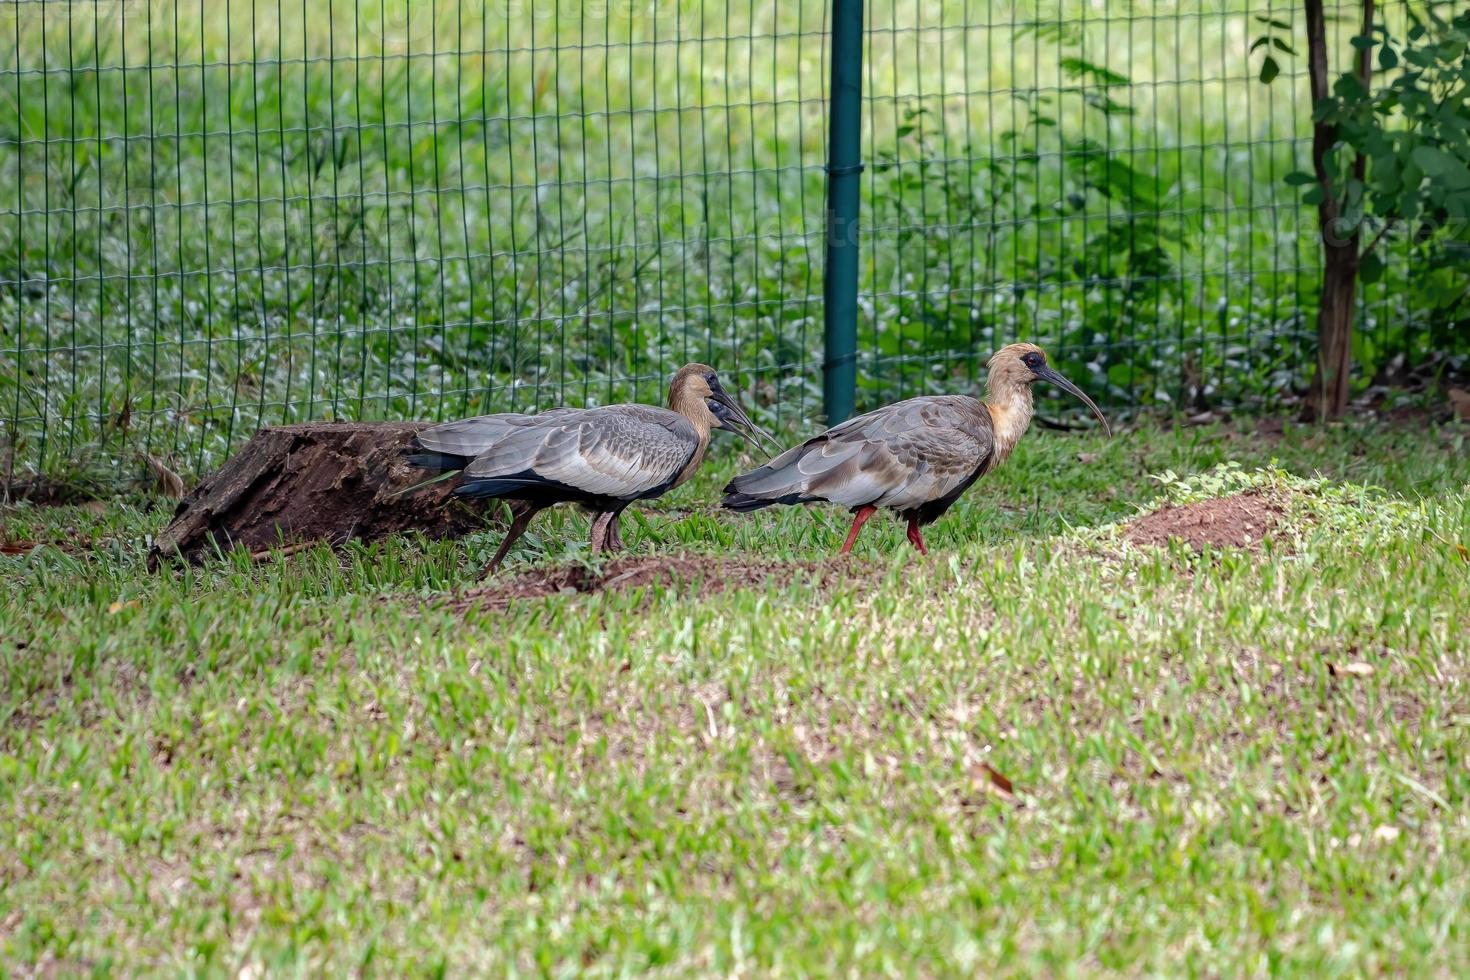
{"points": [[294, 485], [1328, 396]]}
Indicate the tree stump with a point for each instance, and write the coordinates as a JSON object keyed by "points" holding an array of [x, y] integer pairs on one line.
{"points": [[294, 485]]}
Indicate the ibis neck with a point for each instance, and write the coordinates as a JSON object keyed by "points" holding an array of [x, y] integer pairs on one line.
{"points": [[699, 416], [1010, 416]]}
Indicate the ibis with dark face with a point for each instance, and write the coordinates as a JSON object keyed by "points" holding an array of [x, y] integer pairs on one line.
{"points": [[601, 458], [915, 457]]}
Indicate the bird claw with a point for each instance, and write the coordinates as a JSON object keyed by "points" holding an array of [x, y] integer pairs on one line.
{"points": [[917, 539]]}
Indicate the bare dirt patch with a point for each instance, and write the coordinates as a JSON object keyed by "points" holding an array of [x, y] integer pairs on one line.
{"points": [[708, 574], [1239, 521]]}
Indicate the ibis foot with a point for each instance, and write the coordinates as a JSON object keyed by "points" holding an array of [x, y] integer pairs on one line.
{"points": [[915, 538], [520, 519], [860, 517]]}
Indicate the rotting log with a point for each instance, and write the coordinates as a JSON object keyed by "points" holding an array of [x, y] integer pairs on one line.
{"points": [[294, 485]]}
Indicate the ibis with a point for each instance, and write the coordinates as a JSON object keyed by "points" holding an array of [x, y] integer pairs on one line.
{"points": [[915, 457], [602, 458]]}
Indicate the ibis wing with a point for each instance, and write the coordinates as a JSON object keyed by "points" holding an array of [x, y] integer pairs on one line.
{"points": [[938, 462], [899, 456], [621, 451]]}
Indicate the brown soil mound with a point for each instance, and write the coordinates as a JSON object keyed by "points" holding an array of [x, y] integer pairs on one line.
{"points": [[708, 574], [1240, 521]]}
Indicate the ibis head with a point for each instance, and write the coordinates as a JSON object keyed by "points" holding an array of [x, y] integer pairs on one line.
{"points": [[1016, 367], [696, 394]]}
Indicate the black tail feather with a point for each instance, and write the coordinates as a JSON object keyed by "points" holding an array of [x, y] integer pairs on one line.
{"points": [[437, 461], [744, 503], [498, 487], [528, 485]]}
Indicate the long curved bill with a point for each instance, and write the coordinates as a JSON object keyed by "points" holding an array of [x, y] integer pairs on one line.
{"points": [[1047, 374], [733, 417]]}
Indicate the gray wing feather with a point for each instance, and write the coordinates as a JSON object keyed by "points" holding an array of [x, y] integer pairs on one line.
{"points": [[899, 456], [617, 451], [471, 437]]}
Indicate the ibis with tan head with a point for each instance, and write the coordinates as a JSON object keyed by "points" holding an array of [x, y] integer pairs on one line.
{"points": [[915, 457], [603, 458]]}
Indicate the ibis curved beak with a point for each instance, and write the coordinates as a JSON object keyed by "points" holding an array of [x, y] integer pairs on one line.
{"points": [[1045, 373], [733, 417]]}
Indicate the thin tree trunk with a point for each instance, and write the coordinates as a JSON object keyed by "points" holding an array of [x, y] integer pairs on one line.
{"points": [[1328, 396]]}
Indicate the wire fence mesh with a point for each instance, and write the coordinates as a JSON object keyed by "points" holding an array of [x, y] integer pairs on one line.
{"points": [[222, 215]]}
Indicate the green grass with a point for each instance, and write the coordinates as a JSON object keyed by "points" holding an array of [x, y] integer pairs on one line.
{"points": [[313, 765]]}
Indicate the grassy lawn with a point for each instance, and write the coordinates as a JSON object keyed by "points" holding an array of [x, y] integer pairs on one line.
{"points": [[1249, 760]]}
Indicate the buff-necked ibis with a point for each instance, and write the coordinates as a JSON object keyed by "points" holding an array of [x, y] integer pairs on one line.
{"points": [[601, 458], [915, 456]]}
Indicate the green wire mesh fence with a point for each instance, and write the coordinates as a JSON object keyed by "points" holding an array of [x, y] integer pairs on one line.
{"points": [[223, 214]]}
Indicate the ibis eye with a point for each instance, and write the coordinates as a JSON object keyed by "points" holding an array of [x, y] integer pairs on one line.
{"points": [[711, 378]]}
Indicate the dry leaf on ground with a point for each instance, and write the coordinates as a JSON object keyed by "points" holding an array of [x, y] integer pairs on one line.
{"points": [[992, 780]]}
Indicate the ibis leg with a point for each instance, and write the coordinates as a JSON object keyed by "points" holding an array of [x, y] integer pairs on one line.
{"points": [[915, 538], [521, 513], [860, 518], [600, 530]]}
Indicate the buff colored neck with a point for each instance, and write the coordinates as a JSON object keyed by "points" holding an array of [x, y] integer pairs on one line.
{"points": [[697, 412], [1010, 416]]}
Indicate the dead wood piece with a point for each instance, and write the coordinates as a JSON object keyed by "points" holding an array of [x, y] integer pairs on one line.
{"points": [[297, 484]]}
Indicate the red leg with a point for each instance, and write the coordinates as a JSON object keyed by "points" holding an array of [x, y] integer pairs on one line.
{"points": [[859, 519], [915, 538]]}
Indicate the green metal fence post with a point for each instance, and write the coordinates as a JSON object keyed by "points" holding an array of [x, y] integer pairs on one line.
{"points": [[844, 167]]}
